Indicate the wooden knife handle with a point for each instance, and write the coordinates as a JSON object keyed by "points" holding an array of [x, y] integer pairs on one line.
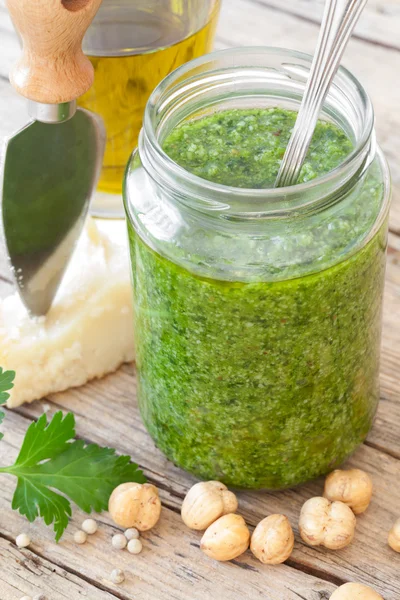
{"points": [[52, 68]]}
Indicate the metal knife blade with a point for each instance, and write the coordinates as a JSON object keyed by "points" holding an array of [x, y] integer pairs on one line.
{"points": [[49, 172]]}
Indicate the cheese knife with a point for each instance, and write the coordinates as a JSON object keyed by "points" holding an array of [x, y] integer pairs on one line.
{"points": [[50, 167]]}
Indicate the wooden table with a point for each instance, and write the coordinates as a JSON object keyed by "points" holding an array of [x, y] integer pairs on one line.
{"points": [[171, 565]]}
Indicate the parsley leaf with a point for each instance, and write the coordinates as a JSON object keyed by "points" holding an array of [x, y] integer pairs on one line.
{"points": [[44, 440], [6, 383], [50, 460]]}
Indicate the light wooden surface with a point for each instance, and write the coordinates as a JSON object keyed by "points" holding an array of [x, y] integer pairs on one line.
{"points": [[171, 565]]}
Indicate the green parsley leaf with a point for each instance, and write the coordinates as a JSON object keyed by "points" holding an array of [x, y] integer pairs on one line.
{"points": [[6, 383], [44, 440], [85, 473]]}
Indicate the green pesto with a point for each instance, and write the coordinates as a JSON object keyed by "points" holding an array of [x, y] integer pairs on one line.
{"points": [[243, 148], [263, 384]]}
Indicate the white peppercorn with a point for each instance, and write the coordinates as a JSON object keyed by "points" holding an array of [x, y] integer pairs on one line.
{"points": [[117, 576], [23, 540], [135, 546], [132, 534], [80, 537], [89, 526], [119, 541]]}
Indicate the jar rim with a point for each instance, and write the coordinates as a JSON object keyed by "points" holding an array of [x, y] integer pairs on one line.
{"points": [[216, 196]]}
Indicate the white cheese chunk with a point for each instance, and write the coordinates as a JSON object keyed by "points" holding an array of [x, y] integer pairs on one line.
{"points": [[88, 331]]}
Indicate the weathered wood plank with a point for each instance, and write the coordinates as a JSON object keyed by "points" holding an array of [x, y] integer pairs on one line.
{"points": [[23, 573], [368, 559], [385, 434], [171, 566], [379, 24], [390, 360]]}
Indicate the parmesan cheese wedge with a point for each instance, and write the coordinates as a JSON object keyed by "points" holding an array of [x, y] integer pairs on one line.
{"points": [[88, 331]]}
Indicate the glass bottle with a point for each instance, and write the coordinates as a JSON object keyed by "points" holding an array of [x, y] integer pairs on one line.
{"points": [[133, 45]]}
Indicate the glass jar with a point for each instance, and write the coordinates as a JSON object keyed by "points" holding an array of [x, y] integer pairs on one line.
{"points": [[257, 311], [133, 45]]}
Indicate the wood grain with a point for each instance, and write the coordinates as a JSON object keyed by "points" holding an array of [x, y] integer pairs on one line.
{"points": [[368, 560], [171, 565], [379, 24], [24, 573], [52, 67]]}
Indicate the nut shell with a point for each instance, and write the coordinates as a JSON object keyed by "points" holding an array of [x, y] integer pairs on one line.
{"points": [[394, 537], [273, 540], [205, 503], [353, 487], [326, 523], [135, 505], [355, 591], [226, 539]]}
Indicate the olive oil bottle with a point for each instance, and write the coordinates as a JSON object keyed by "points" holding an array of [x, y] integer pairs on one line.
{"points": [[133, 45]]}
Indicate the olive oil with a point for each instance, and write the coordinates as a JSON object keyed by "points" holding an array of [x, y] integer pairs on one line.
{"points": [[132, 48]]}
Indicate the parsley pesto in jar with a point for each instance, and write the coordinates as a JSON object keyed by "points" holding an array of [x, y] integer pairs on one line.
{"points": [[257, 311]]}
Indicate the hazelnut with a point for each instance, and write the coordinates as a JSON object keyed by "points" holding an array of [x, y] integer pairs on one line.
{"points": [[272, 540], [135, 505], [326, 523], [394, 537], [226, 539], [205, 503], [353, 487], [355, 591]]}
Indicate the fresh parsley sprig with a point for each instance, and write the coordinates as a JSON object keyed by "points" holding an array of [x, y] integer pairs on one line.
{"points": [[52, 461]]}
